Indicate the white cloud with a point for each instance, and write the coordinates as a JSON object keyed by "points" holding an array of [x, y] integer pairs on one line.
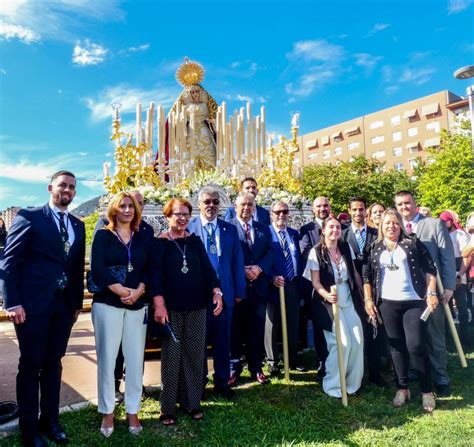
{"points": [[26, 35], [82, 154], [456, 6], [316, 50], [246, 98], [3, 71], [308, 82], [397, 76], [93, 184], [139, 48], [367, 61], [23, 171], [417, 76], [377, 28], [128, 97], [241, 69], [88, 53]]}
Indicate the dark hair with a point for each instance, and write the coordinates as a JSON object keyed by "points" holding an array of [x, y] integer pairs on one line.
{"points": [[357, 199], [168, 208], [403, 192], [321, 248], [248, 179], [60, 173]]}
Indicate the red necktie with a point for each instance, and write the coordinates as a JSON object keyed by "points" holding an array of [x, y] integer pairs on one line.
{"points": [[409, 228]]}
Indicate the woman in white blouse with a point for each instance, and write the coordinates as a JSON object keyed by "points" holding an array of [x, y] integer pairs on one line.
{"points": [[331, 263]]}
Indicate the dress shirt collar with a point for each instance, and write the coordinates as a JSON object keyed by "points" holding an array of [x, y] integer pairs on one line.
{"points": [[242, 223], [56, 210], [354, 228], [204, 222]]}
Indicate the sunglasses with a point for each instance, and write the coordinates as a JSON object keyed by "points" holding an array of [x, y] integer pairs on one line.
{"points": [[285, 212], [209, 202]]}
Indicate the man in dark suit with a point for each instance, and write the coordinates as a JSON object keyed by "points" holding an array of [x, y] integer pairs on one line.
{"points": [[249, 315], [359, 236], [223, 248], [434, 234], [309, 237], [42, 277], [153, 327], [260, 214], [287, 269]]}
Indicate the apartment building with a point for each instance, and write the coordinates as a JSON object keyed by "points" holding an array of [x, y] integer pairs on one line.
{"points": [[396, 136]]}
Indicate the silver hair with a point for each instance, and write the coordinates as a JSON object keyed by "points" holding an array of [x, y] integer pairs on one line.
{"points": [[278, 202], [320, 197], [209, 190], [245, 195]]}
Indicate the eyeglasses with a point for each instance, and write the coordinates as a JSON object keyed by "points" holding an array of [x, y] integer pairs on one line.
{"points": [[209, 201], [285, 212], [180, 215]]}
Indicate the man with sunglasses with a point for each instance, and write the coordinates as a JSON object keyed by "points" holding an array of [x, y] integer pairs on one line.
{"points": [[286, 272], [260, 214], [225, 253]]}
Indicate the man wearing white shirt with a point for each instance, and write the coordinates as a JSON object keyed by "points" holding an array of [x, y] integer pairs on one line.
{"points": [[286, 273], [222, 245], [434, 234], [42, 277]]}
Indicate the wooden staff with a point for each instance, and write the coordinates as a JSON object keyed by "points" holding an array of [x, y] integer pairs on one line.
{"points": [[286, 363], [340, 352], [452, 327]]}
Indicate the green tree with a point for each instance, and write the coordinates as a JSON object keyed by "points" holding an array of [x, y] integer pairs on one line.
{"points": [[447, 182], [360, 177], [89, 223]]}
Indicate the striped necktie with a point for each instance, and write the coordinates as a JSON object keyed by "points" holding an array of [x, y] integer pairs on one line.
{"points": [[289, 268], [248, 236], [63, 233], [360, 238]]}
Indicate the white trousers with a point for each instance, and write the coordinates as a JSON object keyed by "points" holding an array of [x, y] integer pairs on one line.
{"points": [[353, 353], [112, 326]]}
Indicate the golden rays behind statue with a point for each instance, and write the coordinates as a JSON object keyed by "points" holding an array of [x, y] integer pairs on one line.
{"points": [[190, 73]]}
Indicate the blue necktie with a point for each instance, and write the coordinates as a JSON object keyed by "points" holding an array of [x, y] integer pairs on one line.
{"points": [[211, 247], [360, 238], [289, 268]]}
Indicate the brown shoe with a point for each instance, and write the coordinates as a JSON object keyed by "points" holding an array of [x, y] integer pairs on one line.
{"points": [[401, 398], [428, 402]]}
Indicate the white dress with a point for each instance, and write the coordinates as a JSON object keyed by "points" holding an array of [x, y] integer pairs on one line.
{"points": [[351, 334]]}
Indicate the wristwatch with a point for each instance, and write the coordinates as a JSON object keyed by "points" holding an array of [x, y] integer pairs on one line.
{"points": [[431, 293], [218, 293]]}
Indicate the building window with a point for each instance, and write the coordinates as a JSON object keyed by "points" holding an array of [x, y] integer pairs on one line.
{"points": [[413, 163], [397, 136], [412, 131], [312, 156], [378, 139], [434, 126], [397, 151], [376, 124], [395, 120], [325, 140], [378, 154], [398, 166], [353, 146], [338, 150], [336, 137], [326, 154]]}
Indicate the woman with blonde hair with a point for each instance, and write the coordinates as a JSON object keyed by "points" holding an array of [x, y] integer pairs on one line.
{"points": [[374, 213], [400, 284], [120, 264]]}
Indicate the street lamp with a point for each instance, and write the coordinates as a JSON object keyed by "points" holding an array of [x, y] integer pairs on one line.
{"points": [[467, 72]]}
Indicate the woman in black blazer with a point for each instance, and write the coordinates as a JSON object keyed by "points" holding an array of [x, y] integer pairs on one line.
{"points": [[400, 283]]}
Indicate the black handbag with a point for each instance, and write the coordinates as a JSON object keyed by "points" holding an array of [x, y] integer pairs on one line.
{"points": [[119, 272]]}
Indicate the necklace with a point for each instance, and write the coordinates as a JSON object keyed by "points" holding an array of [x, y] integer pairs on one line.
{"points": [[392, 266], [337, 259], [184, 268], [129, 250]]}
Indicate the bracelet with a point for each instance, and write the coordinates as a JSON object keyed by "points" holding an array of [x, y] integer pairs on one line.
{"points": [[430, 293], [218, 293]]}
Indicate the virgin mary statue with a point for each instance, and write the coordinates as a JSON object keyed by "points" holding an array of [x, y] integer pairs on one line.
{"points": [[198, 109]]}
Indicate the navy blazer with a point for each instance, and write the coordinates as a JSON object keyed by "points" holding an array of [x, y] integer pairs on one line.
{"points": [[263, 215], [231, 260], [349, 236], [278, 266], [261, 254], [33, 261], [310, 234]]}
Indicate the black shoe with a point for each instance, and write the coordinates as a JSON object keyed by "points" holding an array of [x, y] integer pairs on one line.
{"points": [[273, 369], [54, 432], [443, 390], [35, 441], [261, 378], [224, 391], [234, 378], [320, 374], [378, 381]]}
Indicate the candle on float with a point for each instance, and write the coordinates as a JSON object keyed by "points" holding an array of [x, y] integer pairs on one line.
{"points": [[106, 169], [149, 126], [217, 129], [224, 132], [264, 130], [139, 122], [258, 146]]}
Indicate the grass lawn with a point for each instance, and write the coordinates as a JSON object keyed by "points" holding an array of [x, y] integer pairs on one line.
{"points": [[296, 414]]}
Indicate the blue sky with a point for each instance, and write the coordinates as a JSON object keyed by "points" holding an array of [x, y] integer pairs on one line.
{"points": [[63, 62]]}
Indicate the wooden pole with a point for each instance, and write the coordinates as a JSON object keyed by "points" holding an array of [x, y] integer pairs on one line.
{"points": [[340, 352], [452, 327], [286, 360]]}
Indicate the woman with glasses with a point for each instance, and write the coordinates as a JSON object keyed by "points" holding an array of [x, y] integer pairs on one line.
{"points": [[189, 283]]}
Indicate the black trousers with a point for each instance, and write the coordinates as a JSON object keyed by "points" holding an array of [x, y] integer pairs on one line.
{"points": [[460, 295], [43, 341], [407, 335], [248, 326], [373, 348]]}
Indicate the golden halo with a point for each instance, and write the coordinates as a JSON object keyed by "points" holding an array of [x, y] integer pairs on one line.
{"points": [[190, 73]]}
